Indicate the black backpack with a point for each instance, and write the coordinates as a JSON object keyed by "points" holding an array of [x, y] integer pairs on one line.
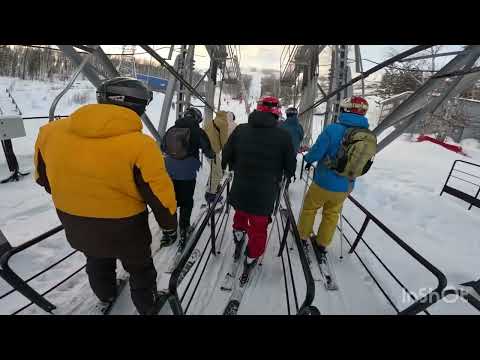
{"points": [[176, 142]]}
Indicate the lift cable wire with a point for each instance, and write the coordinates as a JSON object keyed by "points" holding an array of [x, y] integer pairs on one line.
{"points": [[172, 70], [367, 73]]}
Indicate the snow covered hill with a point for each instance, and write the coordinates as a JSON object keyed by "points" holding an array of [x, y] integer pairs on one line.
{"points": [[402, 190]]}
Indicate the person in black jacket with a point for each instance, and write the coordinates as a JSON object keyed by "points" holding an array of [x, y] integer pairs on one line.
{"points": [[184, 172], [259, 153]]}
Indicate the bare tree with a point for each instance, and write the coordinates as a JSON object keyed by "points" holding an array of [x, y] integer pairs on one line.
{"points": [[453, 114]]}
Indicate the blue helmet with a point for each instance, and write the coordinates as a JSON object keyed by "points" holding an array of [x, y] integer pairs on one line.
{"points": [[291, 111]]}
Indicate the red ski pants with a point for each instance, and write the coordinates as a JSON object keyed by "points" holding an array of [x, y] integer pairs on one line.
{"points": [[256, 228]]}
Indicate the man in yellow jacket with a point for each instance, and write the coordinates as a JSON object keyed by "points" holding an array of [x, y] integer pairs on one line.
{"points": [[101, 171], [217, 132]]}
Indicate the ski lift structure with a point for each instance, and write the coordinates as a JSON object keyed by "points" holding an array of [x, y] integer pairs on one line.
{"points": [[299, 75]]}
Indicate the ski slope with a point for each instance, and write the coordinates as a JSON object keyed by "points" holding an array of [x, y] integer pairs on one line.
{"points": [[402, 190]]}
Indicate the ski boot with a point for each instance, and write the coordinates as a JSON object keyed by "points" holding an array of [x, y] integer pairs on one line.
{"points": [[248, 265], [169, 237], [210, 198], [102, 307], [320, 250], [184, 234], [306, 249], [238, 238]]}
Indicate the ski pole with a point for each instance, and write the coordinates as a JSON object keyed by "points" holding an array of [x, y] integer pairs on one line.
{"points": [[341, 234], [304, 193], [277, 205]]}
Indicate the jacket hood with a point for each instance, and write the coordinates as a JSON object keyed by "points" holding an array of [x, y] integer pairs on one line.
{"points": [[103, 121], [261, 119], [349, 119], [221, 116], [187, 122]]}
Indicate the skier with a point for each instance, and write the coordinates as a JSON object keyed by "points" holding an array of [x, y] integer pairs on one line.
{"points": [[181, 144], [217, 132], [292, 125], [101, 171], [332, 183], [259, 153]]}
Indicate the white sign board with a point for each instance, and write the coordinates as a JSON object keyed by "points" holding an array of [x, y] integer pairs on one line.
{"points": [[11, 127]]}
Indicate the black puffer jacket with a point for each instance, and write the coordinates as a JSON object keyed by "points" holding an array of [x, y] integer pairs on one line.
{"points": [[259, 153]]}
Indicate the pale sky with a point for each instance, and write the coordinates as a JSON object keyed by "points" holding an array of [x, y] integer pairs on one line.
{"points": [[268, 56]]}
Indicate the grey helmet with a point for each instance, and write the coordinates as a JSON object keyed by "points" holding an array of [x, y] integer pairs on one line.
{"points": [[194, 113], [125, 91]]}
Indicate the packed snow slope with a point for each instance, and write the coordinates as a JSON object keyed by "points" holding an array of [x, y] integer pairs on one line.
{"points": [[402, 190]]}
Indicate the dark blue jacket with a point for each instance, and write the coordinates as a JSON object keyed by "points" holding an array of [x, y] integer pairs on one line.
{"points": [[295, 130], [187, 169], [328, 143]]}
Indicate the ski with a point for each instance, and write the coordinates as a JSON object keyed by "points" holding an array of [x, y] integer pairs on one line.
{"points": [[218, 209], [316, 274], [227, 284], [240, 286], [327, 275], [106, 308], [179, 252], [191, 261]]}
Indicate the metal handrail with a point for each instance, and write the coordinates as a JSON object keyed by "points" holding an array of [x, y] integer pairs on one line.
{"points": [[429, 299], [306, 307], [460, 194], [174, 279], [16, 281]]}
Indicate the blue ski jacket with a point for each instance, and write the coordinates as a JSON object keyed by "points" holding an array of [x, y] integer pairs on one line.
{"points": [[328, 143]]}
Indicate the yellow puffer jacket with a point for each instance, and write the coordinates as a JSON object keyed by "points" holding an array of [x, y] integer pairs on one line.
{"points": [[218, 135], [90, 158]]}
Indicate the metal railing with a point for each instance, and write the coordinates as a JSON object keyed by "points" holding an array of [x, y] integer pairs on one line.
{"points": [[175, 300], [22, 286], [290, 226], [419, 305], [459, 174], [172, 295]]}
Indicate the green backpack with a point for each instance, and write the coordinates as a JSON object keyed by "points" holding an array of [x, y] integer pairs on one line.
{"points": [[355, 155]]}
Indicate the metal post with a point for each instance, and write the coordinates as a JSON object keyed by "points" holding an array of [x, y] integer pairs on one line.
{"points": [[189, 66], [359, 236], [210, 93], [69, 85], [212, 231], [26, 290], [285, 236], [167, 100], [476, 197], [221, 86], [4, 244], [181, 91]]}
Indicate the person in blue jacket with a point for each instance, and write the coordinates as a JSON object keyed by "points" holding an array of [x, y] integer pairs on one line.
{"points": [[292, 125], [328, 189]]}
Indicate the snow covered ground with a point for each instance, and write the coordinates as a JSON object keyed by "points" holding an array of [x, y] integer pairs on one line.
{"points": [[402, 190]]}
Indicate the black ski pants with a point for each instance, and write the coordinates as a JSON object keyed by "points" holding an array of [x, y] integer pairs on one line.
{"points": [[143, 285], [184, 190]]}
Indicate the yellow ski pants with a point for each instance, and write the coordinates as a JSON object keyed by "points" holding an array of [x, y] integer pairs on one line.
{"points": [[331, 202]]}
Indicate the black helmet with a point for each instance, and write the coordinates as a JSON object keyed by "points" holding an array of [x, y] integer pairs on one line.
{"points": [[125, 91], [195, 113], [291, 111]]}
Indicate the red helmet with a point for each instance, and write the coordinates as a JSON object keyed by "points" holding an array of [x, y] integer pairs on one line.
{"points": [[269, 104], [355, 104]]}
